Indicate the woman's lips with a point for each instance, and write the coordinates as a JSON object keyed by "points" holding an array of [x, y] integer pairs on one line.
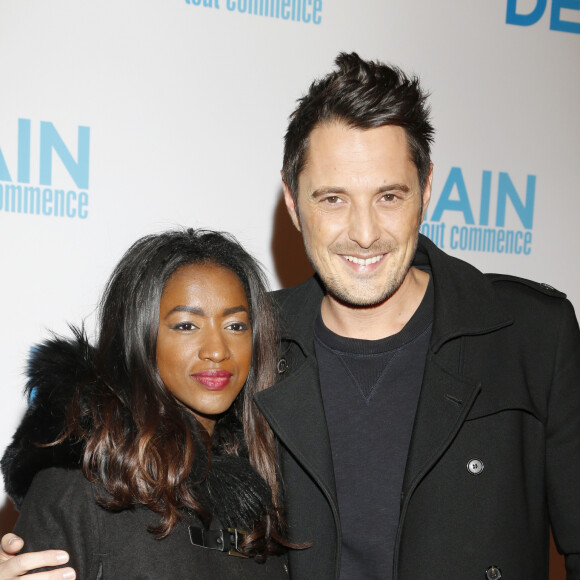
{"points": [[213, 380]]}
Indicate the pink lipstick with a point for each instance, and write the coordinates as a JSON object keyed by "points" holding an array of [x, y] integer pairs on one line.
{"points": [[215, 380]]}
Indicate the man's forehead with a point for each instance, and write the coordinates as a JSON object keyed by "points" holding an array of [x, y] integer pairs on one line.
{"points": [[339, 151], [337, 129]]}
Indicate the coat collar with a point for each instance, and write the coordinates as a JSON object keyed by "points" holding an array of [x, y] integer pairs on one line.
{"points": [[465, 301]]}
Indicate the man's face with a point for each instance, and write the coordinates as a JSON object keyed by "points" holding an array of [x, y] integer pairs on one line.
{"points": [[359, 208]]}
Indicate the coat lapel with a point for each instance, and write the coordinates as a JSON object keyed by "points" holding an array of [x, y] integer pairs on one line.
{"points": [[444, 403], [293, 406], [446, 395], [294, 409]]}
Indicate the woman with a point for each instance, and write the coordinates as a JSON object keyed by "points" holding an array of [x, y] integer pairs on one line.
{"points": [[144, 456]]}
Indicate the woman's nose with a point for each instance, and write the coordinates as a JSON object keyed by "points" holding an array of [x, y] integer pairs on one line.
{"points": [[214, 347]]}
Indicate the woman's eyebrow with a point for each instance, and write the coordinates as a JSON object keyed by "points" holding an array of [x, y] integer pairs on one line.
{"points": [[200, 312], [190, 309], [235, 309]]}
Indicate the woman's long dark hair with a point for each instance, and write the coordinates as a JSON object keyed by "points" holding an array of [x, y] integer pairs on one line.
{"points": [[138, 444]]}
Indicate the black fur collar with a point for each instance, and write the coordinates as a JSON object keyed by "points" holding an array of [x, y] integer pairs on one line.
{"points": [[55, 368]]}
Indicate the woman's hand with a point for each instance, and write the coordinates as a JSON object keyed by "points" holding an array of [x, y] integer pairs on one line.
{"points": [[13, 566]]}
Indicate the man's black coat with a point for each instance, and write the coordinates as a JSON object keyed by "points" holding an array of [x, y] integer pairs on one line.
{"points": [[501, 388]]}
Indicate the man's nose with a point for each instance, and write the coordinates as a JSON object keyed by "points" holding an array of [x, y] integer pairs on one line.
{"points": [[363, 226]]}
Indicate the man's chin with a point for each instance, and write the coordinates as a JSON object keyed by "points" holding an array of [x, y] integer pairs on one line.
{"points": [[364, 296], [360, 299]]}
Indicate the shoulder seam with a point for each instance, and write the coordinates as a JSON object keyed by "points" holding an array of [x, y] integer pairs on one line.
{"points": [[542, 287]]}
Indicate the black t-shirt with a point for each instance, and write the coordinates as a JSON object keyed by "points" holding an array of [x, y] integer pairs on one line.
{"points": [[370, 390]]}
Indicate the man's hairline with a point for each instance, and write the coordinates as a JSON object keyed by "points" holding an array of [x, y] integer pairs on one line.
{"points": [[337, 120]]}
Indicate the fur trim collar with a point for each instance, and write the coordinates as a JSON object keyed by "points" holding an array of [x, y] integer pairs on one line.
{"points": [[55, 369]]}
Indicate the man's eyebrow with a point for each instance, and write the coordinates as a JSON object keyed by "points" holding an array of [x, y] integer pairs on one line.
{"points": [[394, 187], [330, 190], [327, 190]]}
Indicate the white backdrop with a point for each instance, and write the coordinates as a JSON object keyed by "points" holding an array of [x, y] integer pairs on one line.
{"points": [[161, 112]]}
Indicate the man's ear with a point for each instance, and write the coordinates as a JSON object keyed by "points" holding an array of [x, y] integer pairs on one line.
{"points": [[427, 192], [291, 205]]}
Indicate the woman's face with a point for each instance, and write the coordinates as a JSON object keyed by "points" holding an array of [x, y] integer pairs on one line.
{"points": [[204, 341]]}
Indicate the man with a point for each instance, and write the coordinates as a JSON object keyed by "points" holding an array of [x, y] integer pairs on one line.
{"points": [[428, 415]]}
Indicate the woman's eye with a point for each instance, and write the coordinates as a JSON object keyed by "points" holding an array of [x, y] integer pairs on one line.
{"points": [[185, 326], [238, 326]]}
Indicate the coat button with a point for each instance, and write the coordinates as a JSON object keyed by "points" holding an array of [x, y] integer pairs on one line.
{"points": [[493, 573], [282, 366], [475, 467]]}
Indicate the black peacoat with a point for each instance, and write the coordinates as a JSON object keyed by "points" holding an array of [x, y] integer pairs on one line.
{"points": [[494, 458]]}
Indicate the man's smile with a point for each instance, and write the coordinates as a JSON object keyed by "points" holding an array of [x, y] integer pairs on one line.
{"points": [[364, 261]]}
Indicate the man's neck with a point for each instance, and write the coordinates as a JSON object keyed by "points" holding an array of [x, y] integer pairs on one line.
{"points": [[382, 320]]}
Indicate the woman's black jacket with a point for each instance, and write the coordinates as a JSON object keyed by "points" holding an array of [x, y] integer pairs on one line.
{"points": [[59, 509]]}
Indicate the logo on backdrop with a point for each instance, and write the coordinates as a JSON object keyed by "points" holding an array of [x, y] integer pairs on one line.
{"points": [[26, 186], [530, 12], [306, 11], [496, 219]]}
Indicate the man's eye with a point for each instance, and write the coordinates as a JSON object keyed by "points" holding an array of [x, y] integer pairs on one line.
{"points": [[332, 199], [390, 197]]}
